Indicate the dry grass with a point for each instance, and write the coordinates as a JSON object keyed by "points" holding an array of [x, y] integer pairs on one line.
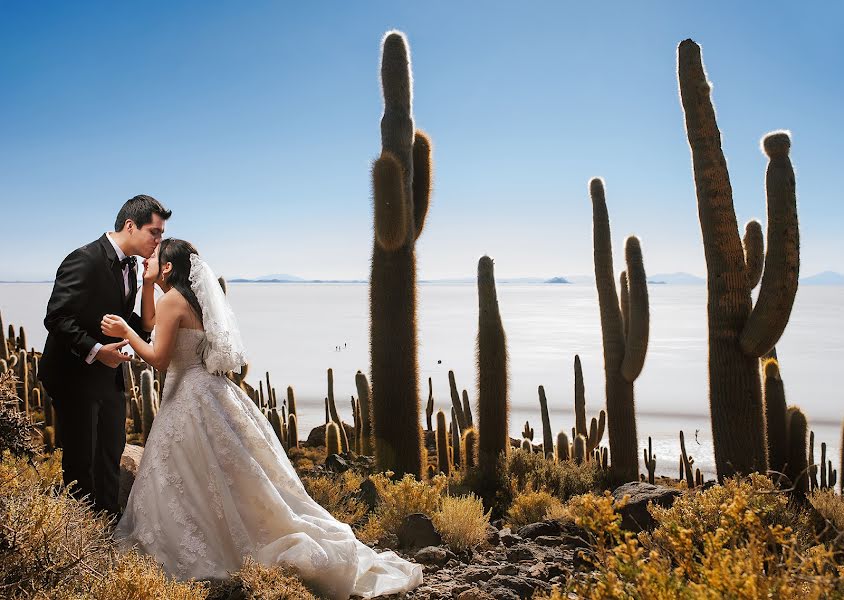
{"points": [[336, 493], [530, 507], [305, 458], [740, 540], [831, 509], [461, 522]]}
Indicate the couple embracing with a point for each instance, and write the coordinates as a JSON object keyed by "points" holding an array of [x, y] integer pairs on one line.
{"points": [[214, 485]]}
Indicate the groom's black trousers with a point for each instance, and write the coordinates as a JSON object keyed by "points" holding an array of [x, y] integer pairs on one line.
{"points": [[96, 435]]}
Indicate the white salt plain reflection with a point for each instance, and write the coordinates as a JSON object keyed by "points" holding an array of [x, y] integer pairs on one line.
{"points": [[297, 331]]}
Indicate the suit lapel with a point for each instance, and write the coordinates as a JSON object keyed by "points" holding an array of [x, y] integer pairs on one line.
{"points": [[114, 267]]}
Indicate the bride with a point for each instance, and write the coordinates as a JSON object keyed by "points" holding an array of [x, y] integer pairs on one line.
{"points": [[215, 485]]}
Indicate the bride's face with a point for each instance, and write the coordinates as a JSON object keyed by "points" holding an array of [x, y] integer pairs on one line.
{"points": [[151, 270]]}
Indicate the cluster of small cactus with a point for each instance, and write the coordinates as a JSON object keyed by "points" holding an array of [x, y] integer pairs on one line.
{"points": [[739, 332]]}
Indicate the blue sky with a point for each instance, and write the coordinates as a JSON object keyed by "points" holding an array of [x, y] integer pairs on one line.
{"points": [[256, 122]]}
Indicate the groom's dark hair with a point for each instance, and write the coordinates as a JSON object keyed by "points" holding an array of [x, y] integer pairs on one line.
{"points": [[140, 210]]}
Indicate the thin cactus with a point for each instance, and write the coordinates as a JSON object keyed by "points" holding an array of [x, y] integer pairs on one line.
{"points": [[291, 401], [401, 184], [332, 438], [456, 403], [650, 461], [443, 462], [813, 467], [469, 448], [739, 332], [563, 449], [823, 485], [596, 431], [22, 339], [455, 439], [605, 459], [4, 348], [429, 408], [493, 392], [365, 406], [547, 439], [687, 462], [698, 478], [327, 412]]}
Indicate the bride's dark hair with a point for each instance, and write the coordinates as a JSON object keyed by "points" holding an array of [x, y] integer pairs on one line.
{"points": [[178, 252]]}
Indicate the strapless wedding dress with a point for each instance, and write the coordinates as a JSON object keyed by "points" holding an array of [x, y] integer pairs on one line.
{"points": [[215, 485]]}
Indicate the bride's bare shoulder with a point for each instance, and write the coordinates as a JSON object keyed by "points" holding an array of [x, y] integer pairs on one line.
{"points": [[172, 300]]}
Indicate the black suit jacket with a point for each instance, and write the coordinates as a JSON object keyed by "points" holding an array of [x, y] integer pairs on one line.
{"points": [[89, 284]]}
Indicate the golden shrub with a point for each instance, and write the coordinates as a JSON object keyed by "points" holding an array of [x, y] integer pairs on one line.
{"points": [[405, 497], [462, 522], [270, 583], [336, 494], [530, 506], [137, 577], [730, 541], [829, 506]]}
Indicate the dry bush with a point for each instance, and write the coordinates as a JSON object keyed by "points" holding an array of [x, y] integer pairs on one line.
{"points": [[461, 522], [18, 435], [831, 509], [336, 494], [259, 582], [138, 577], [530, 507], [739, 540], [306, 458], [399, 499]]}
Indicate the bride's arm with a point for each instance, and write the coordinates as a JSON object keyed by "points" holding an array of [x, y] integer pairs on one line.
{"points": [[148, 293], [167, 321]]}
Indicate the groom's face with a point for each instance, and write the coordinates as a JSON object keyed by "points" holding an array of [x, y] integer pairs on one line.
{"points": [[147, 238]]}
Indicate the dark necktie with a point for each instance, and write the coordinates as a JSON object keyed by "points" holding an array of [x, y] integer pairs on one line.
{"points": [[129, 261]]}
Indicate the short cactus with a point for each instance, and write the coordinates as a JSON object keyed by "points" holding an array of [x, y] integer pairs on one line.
{"points": [[364, 406], [798, 464], [527, 446], [563, 449], [455, 439], [467, 410], [580, 454], [687, 462], [291, 401], [332, 438], [739, 332], [776, 428], [650, 461], [292, 431], [527, 432]]}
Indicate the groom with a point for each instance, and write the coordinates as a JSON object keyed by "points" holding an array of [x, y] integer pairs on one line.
{"points": [[81, 367]]}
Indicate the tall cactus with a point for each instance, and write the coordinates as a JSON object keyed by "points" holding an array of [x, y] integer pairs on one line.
{"points": [[4, 348], [469, 449], [739, 333], [335, 416], [457, 405], [401, 184], [579, 399], [332, 438], [798, 464], [493, 392], [563, 450], [624, 353], [776, 427], [467, 410]]}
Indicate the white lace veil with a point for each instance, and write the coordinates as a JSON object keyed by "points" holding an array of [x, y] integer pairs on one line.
{"points": [[223, 348]]}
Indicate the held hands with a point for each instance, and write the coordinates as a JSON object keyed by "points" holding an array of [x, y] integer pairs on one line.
{"points": [[111, 356], [114, 326]]}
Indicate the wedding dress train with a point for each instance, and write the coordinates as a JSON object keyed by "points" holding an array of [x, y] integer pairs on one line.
{"points": [[215, 485]]}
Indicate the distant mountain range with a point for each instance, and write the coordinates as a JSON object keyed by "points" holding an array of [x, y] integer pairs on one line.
{"points": [[680, 278]]}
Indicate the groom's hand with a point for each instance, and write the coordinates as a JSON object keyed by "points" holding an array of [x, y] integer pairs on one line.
{"points": [[111, 356]]}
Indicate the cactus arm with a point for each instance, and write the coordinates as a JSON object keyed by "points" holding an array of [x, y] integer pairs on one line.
{"points": [[422, 168], [390, 207], [754, 252], [776, 432], [624, 291], [456, 403], [769, 317], [467, 410], [638, 317]]}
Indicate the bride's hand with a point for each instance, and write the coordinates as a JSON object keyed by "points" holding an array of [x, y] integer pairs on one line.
{"points": [[114, 326], [151, 269]]}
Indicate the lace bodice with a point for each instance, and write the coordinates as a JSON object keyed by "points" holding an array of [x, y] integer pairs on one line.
{"points": [[187, 350]]}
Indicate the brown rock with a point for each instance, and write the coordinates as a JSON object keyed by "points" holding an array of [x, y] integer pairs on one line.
{"points": [[129, 463]]}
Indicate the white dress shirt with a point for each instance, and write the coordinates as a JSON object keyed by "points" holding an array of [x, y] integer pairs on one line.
{"points": [[120, 256]]}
